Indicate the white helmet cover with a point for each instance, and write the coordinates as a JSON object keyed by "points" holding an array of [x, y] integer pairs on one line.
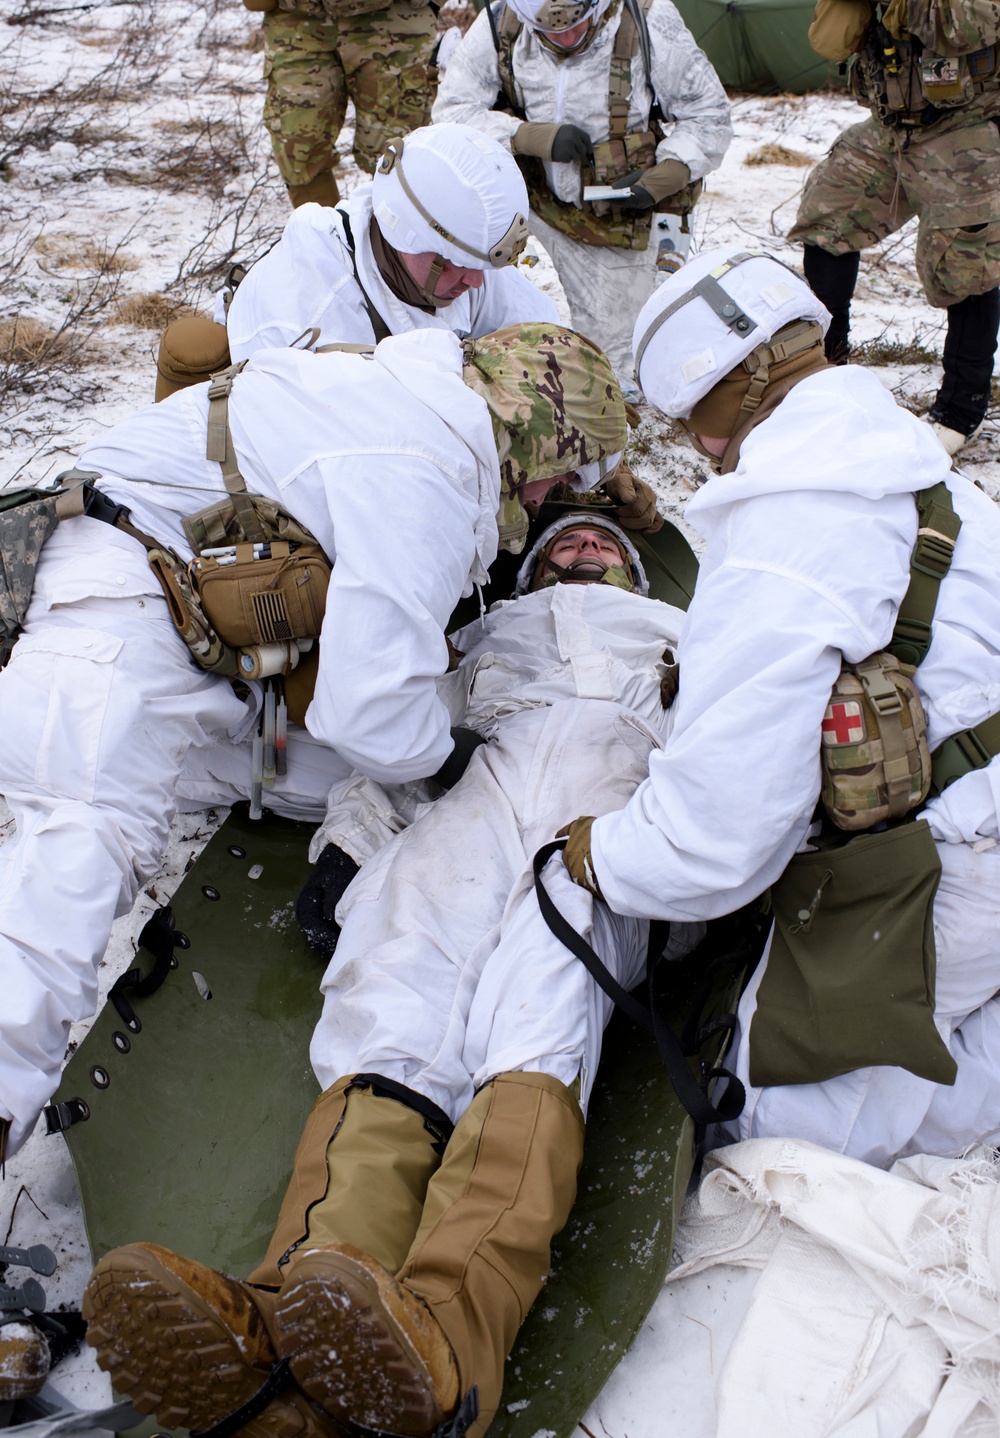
{"points": [[557, 15], [580, 519], [470, 190], [708, 316]]}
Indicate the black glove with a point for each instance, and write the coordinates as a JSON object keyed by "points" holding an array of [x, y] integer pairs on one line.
{"points": [[317, 903], [637, 198], [467, 741], [571, 143]]}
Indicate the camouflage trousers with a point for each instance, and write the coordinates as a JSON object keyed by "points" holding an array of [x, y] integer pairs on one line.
{"points": [[947, 174], [315, 62]]}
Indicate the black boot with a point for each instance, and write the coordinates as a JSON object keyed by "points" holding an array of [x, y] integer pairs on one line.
{"points": [[832, 279], [969, 348]]}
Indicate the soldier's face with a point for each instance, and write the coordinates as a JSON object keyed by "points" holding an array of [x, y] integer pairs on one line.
{"points": [[566, 39], [575, 544], [453, 280]]}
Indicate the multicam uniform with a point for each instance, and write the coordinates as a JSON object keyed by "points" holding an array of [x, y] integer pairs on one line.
{"points": [[604, 260], [321, 53], [931, 149]]}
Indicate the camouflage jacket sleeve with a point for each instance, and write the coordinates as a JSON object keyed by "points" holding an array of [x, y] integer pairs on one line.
{"points": [[955, 27]]}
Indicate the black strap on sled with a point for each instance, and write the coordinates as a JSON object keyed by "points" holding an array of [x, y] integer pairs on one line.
{"points": [[157, 938], [651, 1017], [454, 1427]]}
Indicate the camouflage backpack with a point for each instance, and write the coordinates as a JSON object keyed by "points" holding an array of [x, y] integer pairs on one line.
{"points": [[599, 223]]}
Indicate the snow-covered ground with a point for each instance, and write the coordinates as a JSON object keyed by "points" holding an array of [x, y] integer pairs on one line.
{"points": [[133, 170]]}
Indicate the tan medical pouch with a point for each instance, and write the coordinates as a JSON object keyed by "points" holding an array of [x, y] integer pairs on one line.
{"points": [[875, 759], [274, 598]]}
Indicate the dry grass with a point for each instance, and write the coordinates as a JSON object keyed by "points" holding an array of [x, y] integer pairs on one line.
{"points": [[774, 154], [24, 340], [90, 256], [882, 351], [152, 311]]}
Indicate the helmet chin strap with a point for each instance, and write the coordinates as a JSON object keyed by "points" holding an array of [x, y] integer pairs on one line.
{"points": [[589, 570], [430, 284]]}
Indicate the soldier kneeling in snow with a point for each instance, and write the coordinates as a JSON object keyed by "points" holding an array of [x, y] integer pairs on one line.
{"points": [[457, 1049]]}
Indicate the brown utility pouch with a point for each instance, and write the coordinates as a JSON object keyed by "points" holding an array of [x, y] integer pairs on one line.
{"points": [[208, 650], [875, 760], [616, 158], [267, 600], [850, 976]]}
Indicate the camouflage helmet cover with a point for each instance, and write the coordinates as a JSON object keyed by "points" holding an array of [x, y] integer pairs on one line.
{"points": [[556, 407], [556, 15]]}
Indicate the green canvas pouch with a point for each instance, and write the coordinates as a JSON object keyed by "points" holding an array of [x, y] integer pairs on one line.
{"points": [[850, 976]]}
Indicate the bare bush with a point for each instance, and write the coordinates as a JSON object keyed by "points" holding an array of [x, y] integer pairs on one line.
{"points": [[39, 357]]}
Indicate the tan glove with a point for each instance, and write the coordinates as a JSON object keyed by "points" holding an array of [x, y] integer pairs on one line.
{"points": [[551, 142], [576, 855], [839, 26], [634, 501], [895, 18]]}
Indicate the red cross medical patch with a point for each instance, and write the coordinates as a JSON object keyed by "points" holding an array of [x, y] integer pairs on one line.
{"points": [[842, 723]]}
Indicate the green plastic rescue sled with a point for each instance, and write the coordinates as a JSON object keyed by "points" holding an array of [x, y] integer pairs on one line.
{"points": [[194, 1119], [196, 1095]]}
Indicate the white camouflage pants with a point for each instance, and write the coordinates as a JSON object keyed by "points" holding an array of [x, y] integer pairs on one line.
{"points": [[605, 289], [445, 973], [103, 714]]}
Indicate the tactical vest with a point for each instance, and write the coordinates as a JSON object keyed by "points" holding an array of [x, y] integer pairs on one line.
{"points": [[599, 223], [907, 85]]}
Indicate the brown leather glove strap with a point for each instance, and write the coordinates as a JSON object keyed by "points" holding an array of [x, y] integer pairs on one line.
{"points": [[576, 855], [665, 179], [533, 138], [634, 501]]}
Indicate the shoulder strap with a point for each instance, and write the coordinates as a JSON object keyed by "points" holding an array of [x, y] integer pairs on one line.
{"points": [[220, 446], [378, 324], [931, 559], [504, 38], [929, 563], [620, 74]]}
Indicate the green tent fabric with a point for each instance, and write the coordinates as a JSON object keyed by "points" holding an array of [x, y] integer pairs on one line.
{"points": [[759, 44]]}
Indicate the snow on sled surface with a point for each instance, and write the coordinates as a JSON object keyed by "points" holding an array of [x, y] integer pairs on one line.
{"points": [[192, 1130]]}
